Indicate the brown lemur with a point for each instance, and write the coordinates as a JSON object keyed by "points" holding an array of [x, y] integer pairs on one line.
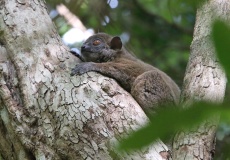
{"points": [[149, 86]]}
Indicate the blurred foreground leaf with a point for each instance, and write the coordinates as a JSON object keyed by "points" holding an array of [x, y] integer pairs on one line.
{"points": [[221, 37], [168, 121]]}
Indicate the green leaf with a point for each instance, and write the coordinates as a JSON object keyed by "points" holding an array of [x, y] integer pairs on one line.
{"points": [[166, 122], [221, 37]]}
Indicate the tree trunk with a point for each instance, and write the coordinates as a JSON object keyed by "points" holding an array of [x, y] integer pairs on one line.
{"points": [[204, 81], [45, 113]]}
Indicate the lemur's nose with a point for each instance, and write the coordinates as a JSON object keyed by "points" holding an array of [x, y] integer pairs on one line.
{"points": [[85, 47]]}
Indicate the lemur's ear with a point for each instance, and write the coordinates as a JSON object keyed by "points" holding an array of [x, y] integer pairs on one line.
{"points": [[116, 43]]}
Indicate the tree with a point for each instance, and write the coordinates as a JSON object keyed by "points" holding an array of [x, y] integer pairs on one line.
{"points": [[45, 113], [204, 81]]}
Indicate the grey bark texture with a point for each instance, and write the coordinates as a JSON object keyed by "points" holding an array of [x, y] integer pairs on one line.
{"points": [[45, 113], [204, 81]]}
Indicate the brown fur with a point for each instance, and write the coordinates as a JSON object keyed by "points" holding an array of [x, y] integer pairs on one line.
{"points": [[149, 86]]}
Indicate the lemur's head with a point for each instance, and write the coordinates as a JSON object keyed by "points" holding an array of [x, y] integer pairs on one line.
{"points": [[99, 48]]}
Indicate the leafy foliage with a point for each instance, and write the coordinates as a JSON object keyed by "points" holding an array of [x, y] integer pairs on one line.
{"points": [[173, 11], [221, 36]]}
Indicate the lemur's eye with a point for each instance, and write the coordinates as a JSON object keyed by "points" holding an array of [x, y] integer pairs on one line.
{"points": [[96, 42]]}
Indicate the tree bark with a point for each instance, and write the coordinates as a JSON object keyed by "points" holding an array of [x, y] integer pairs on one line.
{"points": [[204, 81], [45, 113]]}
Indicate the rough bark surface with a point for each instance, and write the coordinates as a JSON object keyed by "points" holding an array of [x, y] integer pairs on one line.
{"points": [[204, 81], [45, 113]]}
